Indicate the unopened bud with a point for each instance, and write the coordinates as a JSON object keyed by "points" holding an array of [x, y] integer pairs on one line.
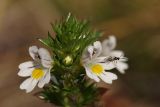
{"points": [[68, 60]]}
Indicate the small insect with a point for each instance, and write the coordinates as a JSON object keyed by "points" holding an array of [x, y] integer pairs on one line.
{"points": [[114, 59]]}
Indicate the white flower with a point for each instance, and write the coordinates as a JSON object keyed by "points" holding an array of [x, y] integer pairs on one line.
{"points": [[108, 47], [94, 66], [38, 69]]}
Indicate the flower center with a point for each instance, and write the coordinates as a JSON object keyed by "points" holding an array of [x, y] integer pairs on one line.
{"points": [[97, 69], [37, 73]]}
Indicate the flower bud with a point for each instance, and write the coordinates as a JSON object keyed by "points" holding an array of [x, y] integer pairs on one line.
{"points": [[68, 60]]}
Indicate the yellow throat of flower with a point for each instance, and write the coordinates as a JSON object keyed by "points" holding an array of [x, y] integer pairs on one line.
{"points": [[97, 68], [37, 73]]}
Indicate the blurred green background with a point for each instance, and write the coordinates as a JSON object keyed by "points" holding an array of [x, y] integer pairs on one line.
{"points": [[136, 24]]}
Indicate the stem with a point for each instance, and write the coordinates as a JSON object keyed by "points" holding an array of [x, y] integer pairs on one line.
{"points": [[66, 83], [66, 102]]}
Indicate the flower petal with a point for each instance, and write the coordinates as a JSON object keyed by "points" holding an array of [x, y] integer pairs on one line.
{"points": [[45, 56], [123, 59], [91, 75], [99, 59], [28, 84], [25, 72], [25, 83], [121, 67], [44, 80], [117, 53], [97, 48], [109, 43], [90, 50], [111, 75], [33, 51], [105, 79], [46, 63], [26, 65], [112, 42], [108, 65], [108, 77], [95, 77], [32, 85]]}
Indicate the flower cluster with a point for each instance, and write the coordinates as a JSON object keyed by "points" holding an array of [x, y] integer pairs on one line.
{"points": [[97, 59]]}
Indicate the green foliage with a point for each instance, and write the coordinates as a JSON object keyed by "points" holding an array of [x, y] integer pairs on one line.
{"points": [[69, 86], [72, 91], [71, 38]]}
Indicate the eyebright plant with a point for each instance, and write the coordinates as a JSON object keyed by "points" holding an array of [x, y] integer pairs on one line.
{"points": [[78, 61]]}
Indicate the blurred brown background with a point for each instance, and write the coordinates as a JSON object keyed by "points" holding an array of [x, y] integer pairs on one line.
{"points": [[22, 21]]}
